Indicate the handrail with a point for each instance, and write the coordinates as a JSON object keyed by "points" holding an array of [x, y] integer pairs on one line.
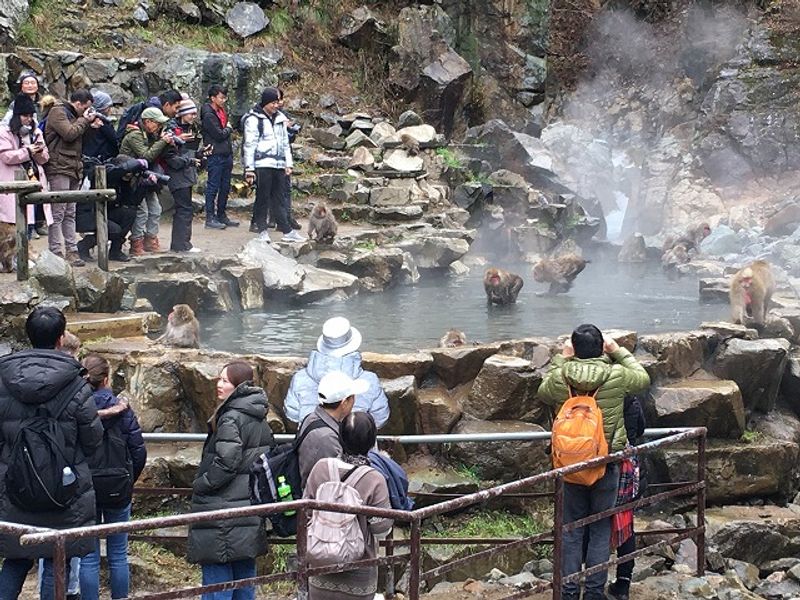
{"points": [[443, 438]]}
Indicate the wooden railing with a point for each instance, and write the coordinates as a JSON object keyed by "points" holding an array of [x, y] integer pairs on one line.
{"points": [[29, 193]]}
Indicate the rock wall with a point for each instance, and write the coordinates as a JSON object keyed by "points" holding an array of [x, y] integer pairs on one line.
{"points": [[714, 377]]}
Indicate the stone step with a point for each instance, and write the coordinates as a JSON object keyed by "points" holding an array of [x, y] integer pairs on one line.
{"points": [[117, 325]]}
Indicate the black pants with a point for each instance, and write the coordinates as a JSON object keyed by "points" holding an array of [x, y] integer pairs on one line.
{"points": [[182, 221], [625, 570], [123, 216], [271, 198]]}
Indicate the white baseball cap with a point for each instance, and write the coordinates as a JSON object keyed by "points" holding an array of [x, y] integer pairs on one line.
{"points": [[336, 386]]}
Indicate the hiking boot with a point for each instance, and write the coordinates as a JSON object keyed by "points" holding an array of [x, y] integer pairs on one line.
{"points": [[75, 259], [214, 224], [619, 590], [151, 244], [118, 256], [85, 248], [254, 228], [293, 236], [137, 247], [228, 222], [295, 225]]}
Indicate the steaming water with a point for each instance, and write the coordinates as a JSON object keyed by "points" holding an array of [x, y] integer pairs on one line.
{"points": [[405, 318]]}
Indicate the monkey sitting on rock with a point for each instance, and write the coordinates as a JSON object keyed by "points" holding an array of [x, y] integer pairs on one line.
{"points": [[183, 329], [322, 225], [501, 287], [690, 240], [751, 292], [560, 272], [454, 338]]}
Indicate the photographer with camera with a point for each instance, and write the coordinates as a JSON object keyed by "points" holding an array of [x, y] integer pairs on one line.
{"points": [[67, 122], [101, 143], [149, 141], [182, 167], [21, 146]]}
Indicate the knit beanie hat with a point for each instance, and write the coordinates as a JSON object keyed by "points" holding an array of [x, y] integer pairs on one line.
{"points": [[101, 100], [23, 105], [269, 94], [186, 107]]}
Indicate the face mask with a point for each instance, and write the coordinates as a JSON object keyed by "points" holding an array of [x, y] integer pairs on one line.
{"points": [[25, 130]]}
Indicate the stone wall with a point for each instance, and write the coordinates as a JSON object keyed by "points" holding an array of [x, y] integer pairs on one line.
{"points": [[742, 389]]}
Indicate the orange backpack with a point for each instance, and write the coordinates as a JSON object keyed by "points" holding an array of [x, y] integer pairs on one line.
{"points": [[577, 436]]}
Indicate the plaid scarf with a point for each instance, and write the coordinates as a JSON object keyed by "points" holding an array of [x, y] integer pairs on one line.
{"points": [[622, 523]]}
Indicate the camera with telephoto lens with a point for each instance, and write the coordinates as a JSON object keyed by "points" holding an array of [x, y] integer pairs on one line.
{"points": [[159, 177], [175, 133], [294, 129]]}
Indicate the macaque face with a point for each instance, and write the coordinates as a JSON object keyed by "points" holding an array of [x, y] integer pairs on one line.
{"points": [[224, 386]]}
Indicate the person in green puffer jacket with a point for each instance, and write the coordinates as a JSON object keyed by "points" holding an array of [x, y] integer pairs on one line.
{"points": [[591, 362]]}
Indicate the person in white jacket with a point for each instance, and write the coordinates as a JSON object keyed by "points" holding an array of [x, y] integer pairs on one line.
{"points": [[267, 157]]}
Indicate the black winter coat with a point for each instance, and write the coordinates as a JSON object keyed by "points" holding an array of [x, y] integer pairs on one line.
{"points": [[240, 433], [213, 131], [27, 380], [129, 428]]}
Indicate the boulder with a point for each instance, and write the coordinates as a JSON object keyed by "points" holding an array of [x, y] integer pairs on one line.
{"points": [[358, 139], [246, 19], [778, 424], [361, 159], [409, 119], [12, 14], [472, 195], [422, 134], [384, 133], [722, 240], [434, 252], [674, 355], [361, 30], [455, 366], [280, 272], [505, 388], [248, 285], [756, 366], [439, 408], [54, 274], [403, 404], [753, 534], [200, 292], [99, 291], [734, 471], [790, 382], [503, 461], [396, 213], [376, 269], [716, 405], [318, 284], [785, 220], [392, 366], [399, 160], [154, 388], [326, 139]]}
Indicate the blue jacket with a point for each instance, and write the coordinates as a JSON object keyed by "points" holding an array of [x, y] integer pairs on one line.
{"points": [[129, 426], [396, 480], [302, 397]]}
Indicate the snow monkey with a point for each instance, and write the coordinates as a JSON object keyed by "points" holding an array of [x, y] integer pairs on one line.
{"points": [[322, 221], [454, 338], [410, 144], [750, 293], [676, 255], [183, 329], [501, 286], [690, 240], [559, 272]]}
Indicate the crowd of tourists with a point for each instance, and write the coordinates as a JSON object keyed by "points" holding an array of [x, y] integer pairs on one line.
{"points": [[71, 451], [157, 146]]}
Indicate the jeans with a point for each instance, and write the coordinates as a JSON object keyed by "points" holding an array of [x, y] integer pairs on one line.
{"points": [[581, 501], [220, 572], [117, 550], [147, 216], [271, 197], [182, 221], [219, 185], [73, 583], [61, 233]]}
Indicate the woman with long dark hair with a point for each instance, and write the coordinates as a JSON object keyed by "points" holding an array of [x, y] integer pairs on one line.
{"points": [[238, 432], [21, 147]]}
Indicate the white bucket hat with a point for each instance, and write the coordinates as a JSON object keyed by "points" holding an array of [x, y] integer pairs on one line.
{"points": [[338, 337]]}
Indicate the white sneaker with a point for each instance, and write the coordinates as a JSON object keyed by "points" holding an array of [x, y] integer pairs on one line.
{"points": [[264, 237], [195, 250], [293, 236]]}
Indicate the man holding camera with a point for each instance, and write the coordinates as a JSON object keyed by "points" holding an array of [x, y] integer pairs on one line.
{"points": [[66, 124], [147, 140], [592, 364]]}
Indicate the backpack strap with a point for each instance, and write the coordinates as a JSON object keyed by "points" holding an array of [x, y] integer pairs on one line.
{"points": [[318, 424], [364, 471], [572, 393]]}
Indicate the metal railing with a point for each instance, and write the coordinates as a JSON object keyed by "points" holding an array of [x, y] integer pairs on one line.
{"points": [[29, 193], [413, 558]]}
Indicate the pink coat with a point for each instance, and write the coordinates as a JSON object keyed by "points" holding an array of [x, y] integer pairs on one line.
{"points": [[11, 157]]}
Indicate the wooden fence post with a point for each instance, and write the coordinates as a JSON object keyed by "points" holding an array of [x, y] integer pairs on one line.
{"points": [[101, 210], [22, 230]]}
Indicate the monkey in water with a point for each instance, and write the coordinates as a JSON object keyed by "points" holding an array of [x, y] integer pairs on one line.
{"points": [[501, 286], [322, 226], [560, 272], [454, 338], [410, 144], [750, 293], [690, 240], [675, 256], [183, 329]]}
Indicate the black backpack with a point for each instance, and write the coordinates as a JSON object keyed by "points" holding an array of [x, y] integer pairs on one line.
{"points": [[36, 480], [112, 467], [131, 115], [265, 470]]}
